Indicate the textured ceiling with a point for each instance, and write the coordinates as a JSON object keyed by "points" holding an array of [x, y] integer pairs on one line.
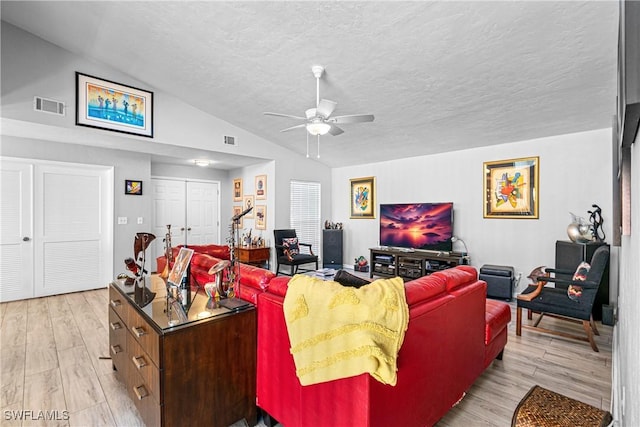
{"points": [[438, 76]]}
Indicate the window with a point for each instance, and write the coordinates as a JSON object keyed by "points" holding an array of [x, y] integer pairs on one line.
{"points": [[305, 212]]}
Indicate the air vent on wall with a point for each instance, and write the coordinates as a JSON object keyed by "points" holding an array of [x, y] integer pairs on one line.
{"points": [[230, 140], [48, 105]]}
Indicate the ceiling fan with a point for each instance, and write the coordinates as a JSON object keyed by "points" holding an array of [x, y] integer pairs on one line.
{"points": [[318, 120]]}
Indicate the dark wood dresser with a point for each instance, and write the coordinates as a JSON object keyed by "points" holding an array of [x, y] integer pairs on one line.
{"points": [[200, 372]]}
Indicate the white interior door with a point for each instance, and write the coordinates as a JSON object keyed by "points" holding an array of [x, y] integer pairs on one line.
{"points": [[168, 209], [16, 230], [73, 228], [191, 207], [202, 213]]}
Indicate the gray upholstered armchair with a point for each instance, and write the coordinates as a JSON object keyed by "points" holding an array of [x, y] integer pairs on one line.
{"points": [[555, 301]]}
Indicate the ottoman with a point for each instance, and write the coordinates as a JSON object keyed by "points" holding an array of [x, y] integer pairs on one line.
{"points": [[500, 280], [497, 318]]}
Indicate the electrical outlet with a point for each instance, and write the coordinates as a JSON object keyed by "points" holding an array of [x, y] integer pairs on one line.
{"points": [[139, 220], [122, 220]]}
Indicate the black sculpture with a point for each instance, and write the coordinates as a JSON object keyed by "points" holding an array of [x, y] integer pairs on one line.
{"points": [[596, 223]]}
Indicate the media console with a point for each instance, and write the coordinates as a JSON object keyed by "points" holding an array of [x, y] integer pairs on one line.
{"points": [[411, 264]]}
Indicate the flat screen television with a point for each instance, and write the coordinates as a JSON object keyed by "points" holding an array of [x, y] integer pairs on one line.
{"points": [[427, 226]]}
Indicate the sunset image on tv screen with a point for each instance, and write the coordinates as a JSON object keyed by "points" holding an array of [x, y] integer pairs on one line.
{"points": [[417, 225]]}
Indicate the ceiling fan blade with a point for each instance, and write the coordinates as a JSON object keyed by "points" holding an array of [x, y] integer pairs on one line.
{"points": [[335, 130], [284, 115], [293, 127], [354, 118], [325, 108]]}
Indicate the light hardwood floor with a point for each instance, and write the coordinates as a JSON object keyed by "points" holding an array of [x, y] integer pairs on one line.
{"points": [[50, 351]]}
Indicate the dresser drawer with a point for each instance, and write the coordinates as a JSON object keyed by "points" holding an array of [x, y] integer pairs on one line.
{"points": [[117, 341], [145, 401], [119, 304], [145, 335], [140, 361]]}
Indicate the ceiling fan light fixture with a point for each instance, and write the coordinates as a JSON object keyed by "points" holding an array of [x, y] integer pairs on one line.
{"points": [[202, 162], [318, 128]]}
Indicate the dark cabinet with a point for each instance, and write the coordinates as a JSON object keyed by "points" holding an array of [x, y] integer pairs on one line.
{"points": [[569, 255], [332, 248]]}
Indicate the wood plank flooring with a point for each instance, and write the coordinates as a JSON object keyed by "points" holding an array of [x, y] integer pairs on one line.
{"points": [[50, 368]]}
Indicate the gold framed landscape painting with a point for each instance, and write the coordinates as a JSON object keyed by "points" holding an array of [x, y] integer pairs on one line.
{"points": [[511, 188], [362, 202]]}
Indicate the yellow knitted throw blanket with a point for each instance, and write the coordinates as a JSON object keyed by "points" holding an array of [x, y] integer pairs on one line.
{"points": [[339, 332]]}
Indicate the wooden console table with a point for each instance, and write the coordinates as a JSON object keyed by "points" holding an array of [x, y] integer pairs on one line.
{"points": [[254, 255], [200, 372]]}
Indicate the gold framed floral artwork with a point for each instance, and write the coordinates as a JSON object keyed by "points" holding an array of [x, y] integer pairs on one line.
{"points": [[362, 201], [511, 188]]}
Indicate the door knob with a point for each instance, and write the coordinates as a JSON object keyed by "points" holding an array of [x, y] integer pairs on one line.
{"points": [[189, 229], [26, 239]]}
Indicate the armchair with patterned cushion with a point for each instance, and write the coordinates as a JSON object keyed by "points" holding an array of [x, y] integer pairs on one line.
{"points": [[288, 251], [574, 303]]}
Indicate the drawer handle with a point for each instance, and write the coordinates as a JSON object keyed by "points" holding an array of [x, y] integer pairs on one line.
{"points": [[138, 331], [115, 303], [140, 391], [115, 349], [139, 361], [115, 325]]}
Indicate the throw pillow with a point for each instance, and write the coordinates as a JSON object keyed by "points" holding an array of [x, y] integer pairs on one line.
{"points": [[575, 292], [291, 244], [347, 279]]}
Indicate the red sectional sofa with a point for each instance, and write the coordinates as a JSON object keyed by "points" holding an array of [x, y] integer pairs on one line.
{"points": [[253, 280], [454, 333]]}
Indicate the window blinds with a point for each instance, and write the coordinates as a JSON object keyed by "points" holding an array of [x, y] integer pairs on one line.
{"points": [[305, 212]]}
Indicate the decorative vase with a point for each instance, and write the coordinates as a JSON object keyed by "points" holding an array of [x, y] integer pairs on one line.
{"points": [[579, 231]]}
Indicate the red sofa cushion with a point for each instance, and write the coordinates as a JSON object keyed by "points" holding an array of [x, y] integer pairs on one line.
{"points": [[256, 277], [460, 276], [424, 288], [216, 251], [497, 317]]}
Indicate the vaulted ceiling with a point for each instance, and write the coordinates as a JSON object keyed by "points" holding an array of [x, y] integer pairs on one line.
{"points": [[438, 75]]}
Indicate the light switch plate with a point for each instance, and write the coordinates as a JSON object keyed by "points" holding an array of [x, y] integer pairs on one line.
{"points": [[139, 220], [122, 220]]}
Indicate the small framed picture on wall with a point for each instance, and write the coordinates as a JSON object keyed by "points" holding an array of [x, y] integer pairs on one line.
{"points": [[132, 187], [237, 190], [261, 187], [237, 210], [261, 217], [249, 202]]}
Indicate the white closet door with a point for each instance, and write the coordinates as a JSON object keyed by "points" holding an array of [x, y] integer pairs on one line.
{"points": [[16, 231], [73, 243], [191, 207], [202, 213], [168, 208]]}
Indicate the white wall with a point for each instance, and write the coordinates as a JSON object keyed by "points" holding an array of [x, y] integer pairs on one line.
{"points": [[31, 66], [627, 341], [574, 174]]}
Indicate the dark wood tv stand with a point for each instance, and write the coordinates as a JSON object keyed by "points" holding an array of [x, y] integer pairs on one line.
{"points": [[411, 264]]}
